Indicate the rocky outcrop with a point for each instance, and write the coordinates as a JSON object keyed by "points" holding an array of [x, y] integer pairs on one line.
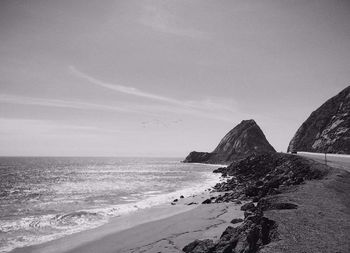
{"points": [[255, 232], [245, 139], [268, 174], [199, 157], [259, 178], [327, 128]]}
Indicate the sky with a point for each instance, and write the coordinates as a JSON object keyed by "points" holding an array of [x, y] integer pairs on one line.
{"points": [[163, 78]]}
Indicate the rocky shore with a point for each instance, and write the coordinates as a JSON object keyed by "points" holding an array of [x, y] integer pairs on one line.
{"points": [[266, 203], [272, 184]]}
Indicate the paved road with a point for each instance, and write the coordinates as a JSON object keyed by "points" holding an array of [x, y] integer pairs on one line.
{"points": [[336, 161]]}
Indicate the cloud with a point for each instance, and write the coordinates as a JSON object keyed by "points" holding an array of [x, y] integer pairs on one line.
{"points": [[17, 126], [212, 108], [121, 88], [13, 99], [207, 104], [215, 108], [203, 109]]}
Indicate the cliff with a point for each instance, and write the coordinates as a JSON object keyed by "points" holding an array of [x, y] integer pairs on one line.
{"points": [[245, 139], [327, 128]]}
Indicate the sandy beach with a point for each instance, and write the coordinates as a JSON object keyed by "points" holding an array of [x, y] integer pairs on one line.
{"points": [[165, 228]]}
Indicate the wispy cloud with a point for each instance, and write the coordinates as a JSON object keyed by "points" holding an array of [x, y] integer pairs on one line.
{"points": [[202, 109], [209, 104], [16, 126], [14, 99], [120, 88], [212, 108]]}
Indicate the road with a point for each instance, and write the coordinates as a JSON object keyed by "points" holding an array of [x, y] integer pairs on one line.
{"points": [[333, 160]]}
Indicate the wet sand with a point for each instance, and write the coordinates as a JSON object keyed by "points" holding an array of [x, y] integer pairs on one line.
{"points": [[166, 228]]}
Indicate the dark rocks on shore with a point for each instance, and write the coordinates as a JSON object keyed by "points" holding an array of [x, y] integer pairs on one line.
{"points": [[236, 220], [198, 157], [199, 246], [248, 206], [255, 232], [327, 130], [245, 139], [259, 178], [181, 197], [207, 201], [262, 175]]}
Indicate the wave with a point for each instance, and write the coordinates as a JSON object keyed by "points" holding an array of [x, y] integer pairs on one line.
{"points": [[41, 228]]}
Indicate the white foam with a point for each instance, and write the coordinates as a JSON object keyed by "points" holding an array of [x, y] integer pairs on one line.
{"points": [[84, 222]]}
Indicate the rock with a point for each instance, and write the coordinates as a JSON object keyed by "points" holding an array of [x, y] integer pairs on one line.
{"points": [[199, 246], [236, 220], [198, 157], [250, 236], [247, 214], [268, 174], [181, 197], [175, 200], [192, 203], [327, 130], [248, 206], [252, 191], [172, 203], [207, 201], [245, 139]]}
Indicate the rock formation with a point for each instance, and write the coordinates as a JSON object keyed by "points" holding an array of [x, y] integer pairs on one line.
{"points": [[327, 128], [245, 139], [259, 178]]}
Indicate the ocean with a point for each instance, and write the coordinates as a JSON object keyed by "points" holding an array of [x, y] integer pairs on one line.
{"points": [[44, 198]]}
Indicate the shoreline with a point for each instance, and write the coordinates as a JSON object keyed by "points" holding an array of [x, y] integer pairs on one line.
{"points": [[159, 207], [154, 218], [309, 216], [127, 221]]}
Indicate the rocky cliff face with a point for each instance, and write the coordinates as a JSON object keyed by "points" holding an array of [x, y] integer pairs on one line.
{"points": [[245, 139], [327, 128]]}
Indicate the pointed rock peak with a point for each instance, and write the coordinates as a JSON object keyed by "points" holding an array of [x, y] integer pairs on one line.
{"points": [[248, 122], [327, 130], [243, 140]]}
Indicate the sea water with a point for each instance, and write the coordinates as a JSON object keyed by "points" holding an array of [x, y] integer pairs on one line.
{"points": [[44, 198]]}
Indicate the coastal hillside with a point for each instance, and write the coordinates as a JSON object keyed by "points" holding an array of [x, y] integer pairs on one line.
{"points": [[327, 128], [245, 139]]}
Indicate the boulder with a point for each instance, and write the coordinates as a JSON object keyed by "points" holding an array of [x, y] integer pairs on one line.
{"points": [[236, 220], [248, 206], [199, 246], [207, 201]]}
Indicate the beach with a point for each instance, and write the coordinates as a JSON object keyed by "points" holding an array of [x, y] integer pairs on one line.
{"points": [[166, 228], [53, 198], [313, 216]]}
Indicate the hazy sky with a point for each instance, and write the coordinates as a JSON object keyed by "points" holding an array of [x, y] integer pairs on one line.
{"points": [[162, 78]]}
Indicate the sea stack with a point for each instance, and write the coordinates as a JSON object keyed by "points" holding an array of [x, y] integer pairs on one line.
{"points": [[245, 139], [327, 129]]}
